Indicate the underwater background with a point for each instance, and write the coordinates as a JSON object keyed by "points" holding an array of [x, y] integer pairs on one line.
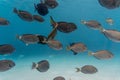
{"points": [[62, 62]]}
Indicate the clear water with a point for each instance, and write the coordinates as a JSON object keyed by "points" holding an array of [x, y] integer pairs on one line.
{"points": [[63, 62]]}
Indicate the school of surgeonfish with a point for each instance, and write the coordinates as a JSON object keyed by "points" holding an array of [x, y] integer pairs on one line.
{"points": [[42, 8]]}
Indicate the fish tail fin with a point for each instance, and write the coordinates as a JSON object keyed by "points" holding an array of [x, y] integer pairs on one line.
{"points": [[101, 29], [90, 53], [68, 48], [35, 7], [52, 21], [83, 22], [15, 10], [33, 65], [77, 69], [18, 37]]}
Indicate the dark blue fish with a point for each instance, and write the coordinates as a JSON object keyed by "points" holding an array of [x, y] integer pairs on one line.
{"points": [[41, 9]]}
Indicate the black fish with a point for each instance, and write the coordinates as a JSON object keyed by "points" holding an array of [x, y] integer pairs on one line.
{"points": [[41, 9]]}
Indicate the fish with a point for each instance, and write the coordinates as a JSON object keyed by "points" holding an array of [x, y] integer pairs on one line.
{"points": [[38, 18], [102, 54], [42, 39], [3, 21], [41, 66], [109, 4], [110, 21], [89, 69], [77, 47], [93, 24], [59, 78], [54, 44], [28, 38], [113, 35], [6, 49], [41, 8], [24, 15], [66, 27], [6, 65], [51, 4]]}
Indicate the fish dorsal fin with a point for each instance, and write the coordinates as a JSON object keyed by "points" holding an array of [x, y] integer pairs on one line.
{"points": [[53, 22]]}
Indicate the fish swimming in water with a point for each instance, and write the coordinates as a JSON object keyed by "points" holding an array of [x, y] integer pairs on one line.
{"points": [[41, 8], [65, 27], [113, 35], [24, 15], [3, 21], [77, 47], [6, 49], [28, 38], [102, 54], [87, 69], [93, 24], [6, 65], [41, 66]]}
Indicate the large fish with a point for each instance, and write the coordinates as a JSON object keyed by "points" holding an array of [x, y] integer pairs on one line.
{"points": [[113, 35]]}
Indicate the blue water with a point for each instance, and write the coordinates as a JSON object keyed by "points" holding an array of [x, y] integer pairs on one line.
{"points": [[63, 62]]}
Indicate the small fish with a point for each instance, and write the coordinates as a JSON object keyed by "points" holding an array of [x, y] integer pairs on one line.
{"points": [[54, 44], [109, 4], [89, 69], [6, 65], [93, 24], [59, 78], [102, 54], [41, 8], [77, 48], [38, 18], [42, 39], [113, 35], [24, 15], [41, 66], [109, 21], [6, 49], [3, 21], [51, 4], [28, 38]]}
